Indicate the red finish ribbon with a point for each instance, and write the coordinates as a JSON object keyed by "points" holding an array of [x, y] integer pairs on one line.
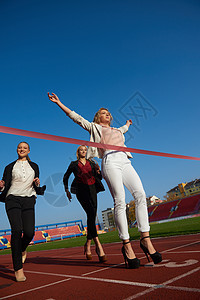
{"points": [[61, 139]]}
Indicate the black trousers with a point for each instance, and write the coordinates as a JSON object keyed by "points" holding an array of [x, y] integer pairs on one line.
{"points": [[21, 215], [87, 196]]}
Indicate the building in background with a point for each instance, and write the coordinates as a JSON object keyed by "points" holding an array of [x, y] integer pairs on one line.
{"points": [[108, 218], [192, 187], [153, 200], [183, 190], [108, 214]]}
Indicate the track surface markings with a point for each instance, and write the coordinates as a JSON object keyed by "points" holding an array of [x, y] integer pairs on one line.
{"points": [[167, 285]]}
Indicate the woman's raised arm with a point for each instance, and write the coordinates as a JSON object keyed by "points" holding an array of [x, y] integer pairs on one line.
{"points": [[54, 98], [85, 124]]}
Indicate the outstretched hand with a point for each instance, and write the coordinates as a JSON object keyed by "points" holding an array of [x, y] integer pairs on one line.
{"points": [[53, 98], [129, 122]]}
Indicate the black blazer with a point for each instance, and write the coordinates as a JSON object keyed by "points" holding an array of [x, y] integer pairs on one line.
{"points": [[7, 178], [73, 168]]}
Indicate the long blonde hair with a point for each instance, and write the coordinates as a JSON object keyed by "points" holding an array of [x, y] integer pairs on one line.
{"points": [[97, 116], [77, 151], [28, 158]]}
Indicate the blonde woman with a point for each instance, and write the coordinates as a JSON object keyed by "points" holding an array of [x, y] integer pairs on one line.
{"points": [[117, 171], [86, 174], [19, 187]]}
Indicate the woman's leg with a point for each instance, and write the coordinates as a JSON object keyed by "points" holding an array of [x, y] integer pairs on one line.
{"points": [[93, 198], [87, 197], [84, 198], [147, 242], [134, 185], [13, 210], [20, 213], [28, 221], [112, 168], [112, 173], [87, 247], [132, 181], [99, 249]]}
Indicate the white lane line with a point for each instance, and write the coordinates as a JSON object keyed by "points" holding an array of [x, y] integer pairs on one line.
{"points": [[180, 288], [180, 252], [137, 253], [175, 236], [140, 294], [173, 239], [182, 246], [181, 276], [96, 279], [165, 286], [34, 289], [131, 283], [176, 288], [151, 286], [103, 269], [81, 255]]}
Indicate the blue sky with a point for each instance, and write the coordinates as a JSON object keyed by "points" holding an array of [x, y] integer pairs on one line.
{"points": [[114, 54]]}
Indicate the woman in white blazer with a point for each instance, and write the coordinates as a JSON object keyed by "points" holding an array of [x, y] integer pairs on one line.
{"points": [[117, 172]]}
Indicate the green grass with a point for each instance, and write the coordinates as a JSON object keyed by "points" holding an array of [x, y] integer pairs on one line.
{"points": [[180, 227]]}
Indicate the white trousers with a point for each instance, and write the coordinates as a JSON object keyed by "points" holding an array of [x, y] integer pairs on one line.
{"points": [[117, 172]]}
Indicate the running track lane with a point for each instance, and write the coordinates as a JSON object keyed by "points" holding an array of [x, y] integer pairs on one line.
{"points": [[65, 274]]}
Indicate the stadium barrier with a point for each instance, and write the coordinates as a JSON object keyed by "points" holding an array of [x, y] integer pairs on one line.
{"points": [[46, 233]]}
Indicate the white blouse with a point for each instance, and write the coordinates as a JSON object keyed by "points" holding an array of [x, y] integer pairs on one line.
{"points": [[95, 131], [112, 136], [22, 180]]}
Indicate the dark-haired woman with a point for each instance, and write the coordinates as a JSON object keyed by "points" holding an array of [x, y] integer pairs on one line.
{"points": [[86, 174], [19, 186]]}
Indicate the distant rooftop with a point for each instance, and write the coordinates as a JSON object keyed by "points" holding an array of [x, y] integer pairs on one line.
{"points": [[188, 185]]}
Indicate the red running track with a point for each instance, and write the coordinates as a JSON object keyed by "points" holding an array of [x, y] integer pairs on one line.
{"points": [[65, 274]]}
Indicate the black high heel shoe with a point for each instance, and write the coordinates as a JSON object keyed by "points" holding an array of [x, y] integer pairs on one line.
{"points": [[156, 257], [133, 263]]}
